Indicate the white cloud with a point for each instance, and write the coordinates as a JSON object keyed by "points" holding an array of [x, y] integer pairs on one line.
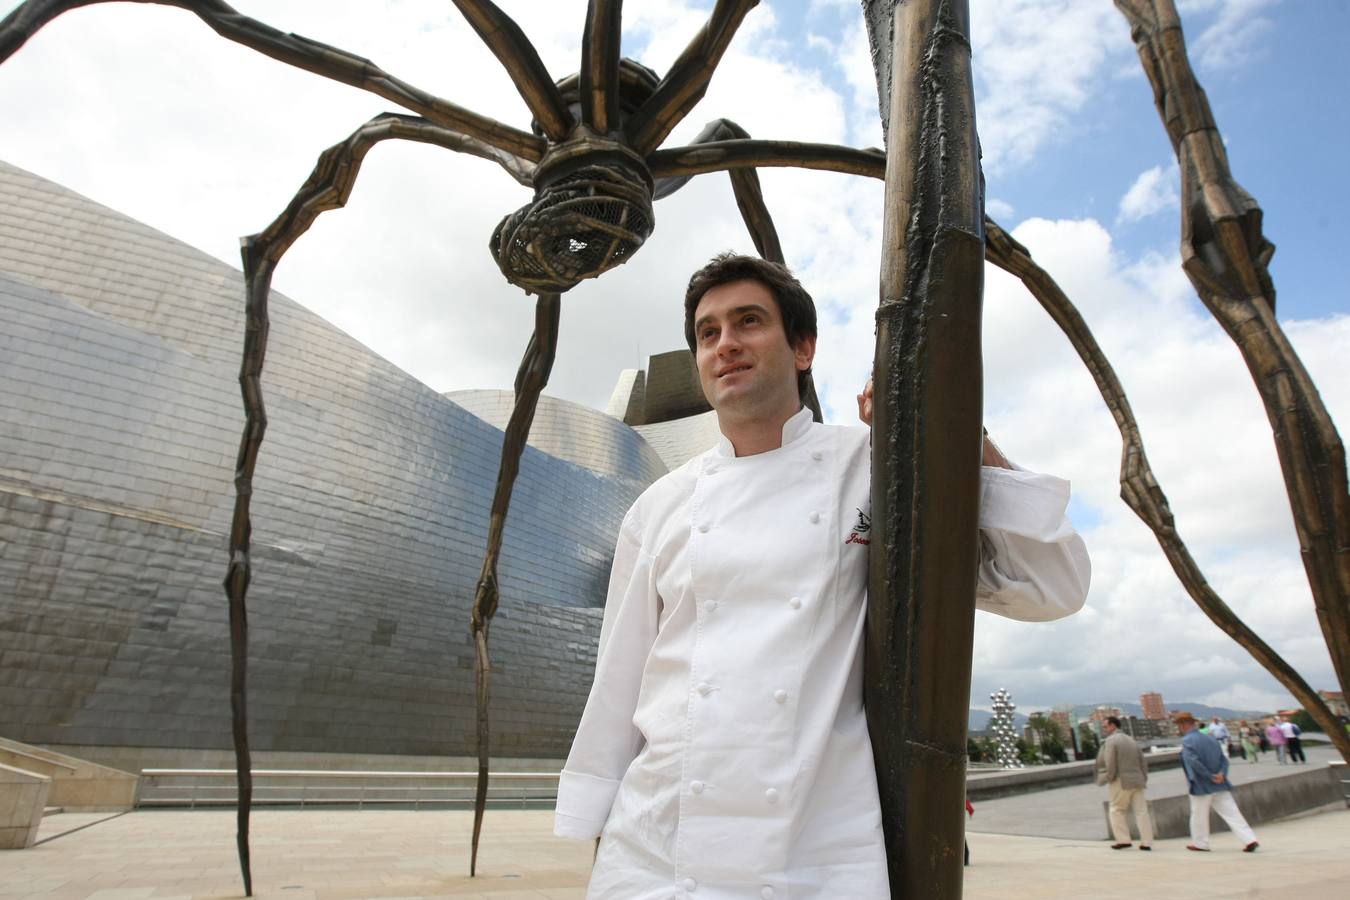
{"points": [[1247, 697], [998, 209], [1234, 37], [1154, 191], [1037, 64]]}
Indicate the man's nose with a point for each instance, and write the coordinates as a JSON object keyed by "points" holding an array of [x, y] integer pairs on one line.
{"points": [[727, 342]]}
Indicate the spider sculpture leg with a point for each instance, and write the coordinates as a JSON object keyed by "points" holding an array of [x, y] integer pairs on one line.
{"points": [[327, 188], [530, 382], [754, 212], [687, 79], [745, 184]]}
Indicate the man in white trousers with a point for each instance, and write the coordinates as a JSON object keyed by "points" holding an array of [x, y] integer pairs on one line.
{"points": [[723, 752], [1206, 768]]}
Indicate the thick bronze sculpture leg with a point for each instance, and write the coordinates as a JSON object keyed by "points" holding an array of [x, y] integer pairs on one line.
{"points": [[687, 81], [530, 382], [926, 451], [1226, 256], [1139, 487], [327, 188], [521, 61], [599, 73]]}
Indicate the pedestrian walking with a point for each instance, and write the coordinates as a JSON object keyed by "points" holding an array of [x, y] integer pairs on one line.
{"points": [[1250, 748], [1219, 731], [1293, 742], [1123, 768], [1206, 768], [1276, 738]]}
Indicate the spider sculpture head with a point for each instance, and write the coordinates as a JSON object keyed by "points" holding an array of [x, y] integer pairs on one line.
{"points": [[592, 206]]}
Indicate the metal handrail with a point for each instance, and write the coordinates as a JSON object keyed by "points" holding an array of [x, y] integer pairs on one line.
{"points": [[38, 758], [215, 787]]}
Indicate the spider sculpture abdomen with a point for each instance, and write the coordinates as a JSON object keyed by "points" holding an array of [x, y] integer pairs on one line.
{"points": [[592, 207], [592, 215]]}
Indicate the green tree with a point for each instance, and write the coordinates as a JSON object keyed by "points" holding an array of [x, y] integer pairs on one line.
{"points": [[1087, 742], [1050, 740], [1305, 722]]}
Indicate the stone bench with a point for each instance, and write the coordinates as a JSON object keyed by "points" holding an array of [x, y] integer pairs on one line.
{"points": [[23, 797]]}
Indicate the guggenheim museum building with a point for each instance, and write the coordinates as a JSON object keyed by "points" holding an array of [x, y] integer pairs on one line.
{"points": [[119, 355]]}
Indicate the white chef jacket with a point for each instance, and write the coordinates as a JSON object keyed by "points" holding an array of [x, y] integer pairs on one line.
{"points": [[723, 751]]}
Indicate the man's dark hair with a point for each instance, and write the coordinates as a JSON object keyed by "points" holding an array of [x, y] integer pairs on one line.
{"points": [[794, 303], [1114, 720]]}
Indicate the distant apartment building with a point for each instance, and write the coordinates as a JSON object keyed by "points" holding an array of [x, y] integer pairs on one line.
{"points": [[1065, 720], [1335, 701], [1152, 702], [1100, 713], [1145, 729]]}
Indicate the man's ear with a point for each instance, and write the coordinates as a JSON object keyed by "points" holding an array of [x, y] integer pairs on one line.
{"points": [[804, 352]]}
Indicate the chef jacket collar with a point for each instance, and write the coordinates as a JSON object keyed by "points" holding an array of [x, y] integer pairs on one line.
{"points": [[794, 428]]}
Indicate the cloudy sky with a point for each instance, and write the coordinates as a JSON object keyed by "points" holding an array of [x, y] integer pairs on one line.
{"points": [[207, 141]]}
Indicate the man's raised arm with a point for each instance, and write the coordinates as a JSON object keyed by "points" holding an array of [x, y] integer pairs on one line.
{"points": [[1033, 564]]}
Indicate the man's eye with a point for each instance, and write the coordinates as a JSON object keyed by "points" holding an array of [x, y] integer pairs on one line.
{"points": [[706, 333], [751, 319]]}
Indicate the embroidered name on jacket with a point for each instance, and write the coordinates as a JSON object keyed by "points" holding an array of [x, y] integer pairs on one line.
{"points": [[860, 532]]}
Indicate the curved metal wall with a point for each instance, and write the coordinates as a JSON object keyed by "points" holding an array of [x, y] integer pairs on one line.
{"points": [[576, 433], [118, 363]]}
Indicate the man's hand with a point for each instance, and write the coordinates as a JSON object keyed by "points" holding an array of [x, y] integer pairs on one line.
{"points": [[1217, 778], [865, 403], [990, 455]]}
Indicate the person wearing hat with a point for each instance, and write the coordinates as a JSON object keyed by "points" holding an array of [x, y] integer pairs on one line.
{"points": [[1206, 768]]}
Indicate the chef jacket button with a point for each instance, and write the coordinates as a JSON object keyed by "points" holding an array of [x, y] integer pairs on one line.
{"points": [[795, 603], [766, 892], [690, 885], [815, 517], [816, 455], [703, 527], [771, 795], [696, 787], [780, 696], [712, 605], [704, 688]]}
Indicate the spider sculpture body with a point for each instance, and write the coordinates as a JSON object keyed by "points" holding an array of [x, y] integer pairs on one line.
{"points": [[593, 158]]}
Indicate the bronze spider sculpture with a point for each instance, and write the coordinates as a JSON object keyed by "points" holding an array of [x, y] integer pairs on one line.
{"points": [[593, 160]]}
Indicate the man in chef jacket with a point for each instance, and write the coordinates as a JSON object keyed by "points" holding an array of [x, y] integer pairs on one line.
{"points": [[723, 752]]}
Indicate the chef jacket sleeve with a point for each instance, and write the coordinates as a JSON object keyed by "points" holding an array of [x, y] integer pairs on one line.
{"points": [[1033, 564], [607, 741]]}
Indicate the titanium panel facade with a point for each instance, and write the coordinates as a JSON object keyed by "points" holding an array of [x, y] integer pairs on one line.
{"points": [[118, 366]]}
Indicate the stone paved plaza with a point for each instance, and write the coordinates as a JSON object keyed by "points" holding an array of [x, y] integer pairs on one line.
{"points": [[326, 855]]}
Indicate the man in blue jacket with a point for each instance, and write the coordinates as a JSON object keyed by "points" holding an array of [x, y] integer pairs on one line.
{"points": [[1206, 767]]}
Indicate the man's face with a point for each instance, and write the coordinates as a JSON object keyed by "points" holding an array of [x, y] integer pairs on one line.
{"points": [[1109, 727], [746, 366]]}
